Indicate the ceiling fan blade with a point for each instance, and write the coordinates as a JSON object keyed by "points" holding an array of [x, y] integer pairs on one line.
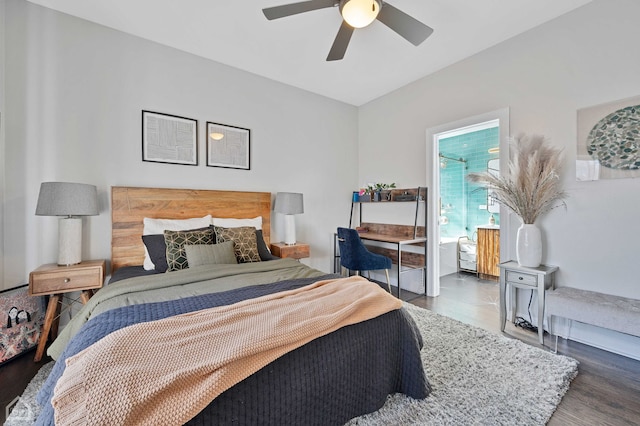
{"points": [[405, 25], [296, 8], [341, 42]]}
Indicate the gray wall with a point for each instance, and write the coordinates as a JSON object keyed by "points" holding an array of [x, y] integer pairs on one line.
{"points": [[587, 57], [74, 95]]}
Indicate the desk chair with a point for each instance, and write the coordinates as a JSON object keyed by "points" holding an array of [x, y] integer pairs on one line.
{"points": [[355, 256]]}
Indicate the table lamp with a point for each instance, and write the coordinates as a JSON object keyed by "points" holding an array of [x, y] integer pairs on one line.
{"points": [[289, 204], [68, 200]]}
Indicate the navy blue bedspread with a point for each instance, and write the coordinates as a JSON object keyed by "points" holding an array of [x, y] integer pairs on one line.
{"points": [[328, 381]]}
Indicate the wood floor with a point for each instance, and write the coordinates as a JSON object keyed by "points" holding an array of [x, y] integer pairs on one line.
{"points": [[606, 391], [607, 388], [15, 375]]}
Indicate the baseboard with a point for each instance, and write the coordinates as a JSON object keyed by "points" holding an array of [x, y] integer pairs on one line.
{"points": [[602, 338], [590, 335]]}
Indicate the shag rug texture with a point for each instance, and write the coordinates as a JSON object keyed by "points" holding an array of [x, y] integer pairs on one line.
{"points": [[27, 409], [478, 378]]}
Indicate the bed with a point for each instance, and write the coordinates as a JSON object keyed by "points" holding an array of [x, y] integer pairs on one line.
{"points": [[343, 344]]}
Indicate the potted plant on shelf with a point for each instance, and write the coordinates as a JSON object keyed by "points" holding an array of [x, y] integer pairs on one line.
{"points": [[377, 189], [530, 189]]}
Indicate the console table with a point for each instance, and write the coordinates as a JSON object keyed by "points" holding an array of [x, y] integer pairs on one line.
{"points": [[536, 279]]}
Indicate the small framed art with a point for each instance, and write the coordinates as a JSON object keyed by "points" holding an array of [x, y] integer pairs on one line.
{"points": [[228, 146], [169, 139]]}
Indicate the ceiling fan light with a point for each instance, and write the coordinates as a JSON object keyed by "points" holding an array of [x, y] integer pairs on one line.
{"points": [[359, 13]]}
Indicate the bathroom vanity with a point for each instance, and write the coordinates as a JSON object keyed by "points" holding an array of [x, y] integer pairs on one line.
{"points": [[489, 252]]}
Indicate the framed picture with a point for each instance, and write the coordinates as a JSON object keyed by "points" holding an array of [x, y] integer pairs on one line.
{"points": [[608, 140], [169, 139], [21, 319], [228, 146]]}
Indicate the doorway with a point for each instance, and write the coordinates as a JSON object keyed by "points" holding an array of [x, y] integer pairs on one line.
{"points": [[463, 206]]}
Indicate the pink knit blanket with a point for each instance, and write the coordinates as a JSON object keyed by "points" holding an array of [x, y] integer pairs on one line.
{"points": [[167, 371]]}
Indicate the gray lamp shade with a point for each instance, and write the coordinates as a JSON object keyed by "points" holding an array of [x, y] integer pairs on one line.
{"points": [[67, 199], [288, 203]]}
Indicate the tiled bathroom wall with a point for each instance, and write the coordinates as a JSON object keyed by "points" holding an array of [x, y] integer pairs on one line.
{"points": [[464, 204]]}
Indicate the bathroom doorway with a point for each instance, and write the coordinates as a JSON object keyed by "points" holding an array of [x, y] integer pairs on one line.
{"points": [[465, 206], [456, 206]]}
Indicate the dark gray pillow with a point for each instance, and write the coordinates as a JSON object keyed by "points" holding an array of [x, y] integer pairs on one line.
{"points": [[263, 251], [157, 251]]}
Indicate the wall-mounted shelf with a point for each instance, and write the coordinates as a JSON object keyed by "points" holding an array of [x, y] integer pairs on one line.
{"points": [[410, 195]]}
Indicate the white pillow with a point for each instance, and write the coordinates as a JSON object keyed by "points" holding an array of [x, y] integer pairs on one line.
{"points": [[256, 222], [158, 226]]}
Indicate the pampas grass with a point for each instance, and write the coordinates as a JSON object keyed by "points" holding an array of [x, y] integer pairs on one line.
{"points": [[532, 186]]}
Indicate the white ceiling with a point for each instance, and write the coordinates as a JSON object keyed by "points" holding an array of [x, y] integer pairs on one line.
{"points": [[292, 50]]}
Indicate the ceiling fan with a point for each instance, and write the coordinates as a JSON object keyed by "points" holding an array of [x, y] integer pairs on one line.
{"points": [[357, 14]]}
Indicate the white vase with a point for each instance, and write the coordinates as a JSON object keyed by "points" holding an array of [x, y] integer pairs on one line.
{"points": [[529, 246]]}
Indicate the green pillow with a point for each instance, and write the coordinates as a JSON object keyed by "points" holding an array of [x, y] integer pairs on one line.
{"points": [[210, 254], [176, 240]]}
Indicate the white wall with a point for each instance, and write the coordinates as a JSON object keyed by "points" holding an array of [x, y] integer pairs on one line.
{"points": [[74, 95], [543, 76], [73, 92], [2, 127]]}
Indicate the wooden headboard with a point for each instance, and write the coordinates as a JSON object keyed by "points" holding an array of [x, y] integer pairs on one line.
{"points": [[129, 205]]}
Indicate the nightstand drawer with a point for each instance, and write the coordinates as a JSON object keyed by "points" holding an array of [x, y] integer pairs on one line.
{"points": [[51, 278], [52, 282], [521, 278]]}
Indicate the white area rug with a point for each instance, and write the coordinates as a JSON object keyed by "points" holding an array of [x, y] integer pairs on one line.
{"points": [[478, 378], [27, 409]]}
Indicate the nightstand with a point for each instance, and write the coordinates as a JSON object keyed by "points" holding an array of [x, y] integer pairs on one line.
{"points": [[296, 251], [55, 280], [536, 279]]}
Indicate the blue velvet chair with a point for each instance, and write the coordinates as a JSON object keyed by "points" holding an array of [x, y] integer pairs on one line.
{"points": [[355, 256]]}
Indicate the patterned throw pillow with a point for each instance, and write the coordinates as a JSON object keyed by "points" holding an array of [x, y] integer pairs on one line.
{"points": [[175, 241], [153, 226], [244, 242]]}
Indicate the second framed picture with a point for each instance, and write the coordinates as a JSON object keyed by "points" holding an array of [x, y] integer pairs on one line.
{"points": [[228, 146]]}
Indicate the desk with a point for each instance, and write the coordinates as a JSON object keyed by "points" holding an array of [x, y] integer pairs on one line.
{"points": [[399, 235], [538, 279], [399, 241]]}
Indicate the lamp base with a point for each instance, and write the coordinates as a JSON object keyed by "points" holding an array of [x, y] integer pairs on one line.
{"points": [[289, 229], [69, 241]]}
